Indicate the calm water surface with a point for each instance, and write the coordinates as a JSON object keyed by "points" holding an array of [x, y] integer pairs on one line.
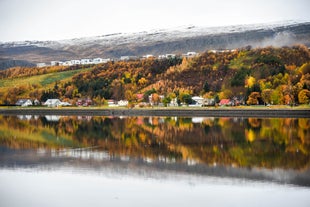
{"points": [[154, 161]]}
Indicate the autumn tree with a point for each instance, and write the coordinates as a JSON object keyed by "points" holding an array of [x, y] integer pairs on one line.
{"points": [[305, 68], [266, 96], [250, 81], [304, 96], [129, 95], [225, 94], [155, 98], [142, 81], [254, 98]]}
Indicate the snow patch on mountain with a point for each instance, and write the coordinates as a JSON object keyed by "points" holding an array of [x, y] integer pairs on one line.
{"points": [[156, 35]]}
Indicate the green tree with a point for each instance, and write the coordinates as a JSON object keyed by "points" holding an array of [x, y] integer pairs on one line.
{"points": [[216, 98], [276, 96], [186, 98], [206, 87], [239, 78], [166, 101]]}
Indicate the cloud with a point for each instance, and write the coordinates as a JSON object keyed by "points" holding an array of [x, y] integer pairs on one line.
{"points": [[279, 39]]}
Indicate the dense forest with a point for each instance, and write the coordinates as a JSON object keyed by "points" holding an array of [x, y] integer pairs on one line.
{"points": [[253, 76]]}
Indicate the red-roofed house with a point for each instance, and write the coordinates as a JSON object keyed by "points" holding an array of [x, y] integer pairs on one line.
{"points": [[225, 102], [139, 96]]}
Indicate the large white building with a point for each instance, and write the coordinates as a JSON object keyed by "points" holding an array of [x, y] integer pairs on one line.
{"points": [[40, 65], [75, 62], [86, 61]]}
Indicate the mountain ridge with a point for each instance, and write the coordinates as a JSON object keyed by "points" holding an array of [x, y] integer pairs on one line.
{"points": [[157, 42]]}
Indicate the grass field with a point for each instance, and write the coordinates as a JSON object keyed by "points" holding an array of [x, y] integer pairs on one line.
{"points": [[42, 80]]}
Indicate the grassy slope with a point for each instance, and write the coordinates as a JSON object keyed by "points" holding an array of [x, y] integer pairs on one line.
{"points": [[43, 136], [43, 80]]}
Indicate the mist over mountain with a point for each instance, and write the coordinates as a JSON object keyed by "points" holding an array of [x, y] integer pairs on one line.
{"points": [[156, 42]]}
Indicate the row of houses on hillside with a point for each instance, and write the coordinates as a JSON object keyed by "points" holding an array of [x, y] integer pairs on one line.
{"points": [[84, 61], [165, 56], [98, 60], [87, 61]]}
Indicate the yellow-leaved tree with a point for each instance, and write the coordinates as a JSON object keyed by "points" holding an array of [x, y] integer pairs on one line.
{"points": [[249, 82], [304, 96]]}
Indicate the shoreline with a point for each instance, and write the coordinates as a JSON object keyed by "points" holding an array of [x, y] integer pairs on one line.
{"points": [[182, 112]]}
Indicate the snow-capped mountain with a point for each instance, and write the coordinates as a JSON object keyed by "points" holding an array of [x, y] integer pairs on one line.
{"points": [[161, 41]]}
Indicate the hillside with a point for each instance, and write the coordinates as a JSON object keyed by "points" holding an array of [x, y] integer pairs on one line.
{"points": [[255, 76], [178, 41]]}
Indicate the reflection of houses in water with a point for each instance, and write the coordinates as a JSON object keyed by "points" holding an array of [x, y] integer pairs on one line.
{"points": [[84, 118], [159, 120], [24, 117], [82, 153], [96, 155], [52, 118], [28, 117], [199, 120], [166, 160]]}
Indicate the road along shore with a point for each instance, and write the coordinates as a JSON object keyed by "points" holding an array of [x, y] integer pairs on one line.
{"points": [[204, 112]]}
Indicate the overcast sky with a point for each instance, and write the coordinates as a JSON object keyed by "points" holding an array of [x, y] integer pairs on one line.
{"points": [[64, 19]]}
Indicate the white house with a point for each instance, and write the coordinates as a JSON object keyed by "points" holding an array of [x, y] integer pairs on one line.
{"points": [[167, 56], [54, 63], [36, 102], [198, 100], [148, 56], [122, 103], [106, 60], [111, 103], [75, 62], [67, 63], [24, 117], [174, 102], [126, 58], [212, 51], [170, 55], [52, 103], [86, 61], [100, 60], [52, 118], [60, 63], [24, 102], [209, 102], [191, 54], [65, 104], [97, 60], [40, 65]]}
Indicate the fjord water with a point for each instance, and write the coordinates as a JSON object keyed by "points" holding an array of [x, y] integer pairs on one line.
{"points": [[154, 161]]}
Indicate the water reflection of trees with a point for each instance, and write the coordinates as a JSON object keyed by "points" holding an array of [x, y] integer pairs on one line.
{"points": [[252, 142]]}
